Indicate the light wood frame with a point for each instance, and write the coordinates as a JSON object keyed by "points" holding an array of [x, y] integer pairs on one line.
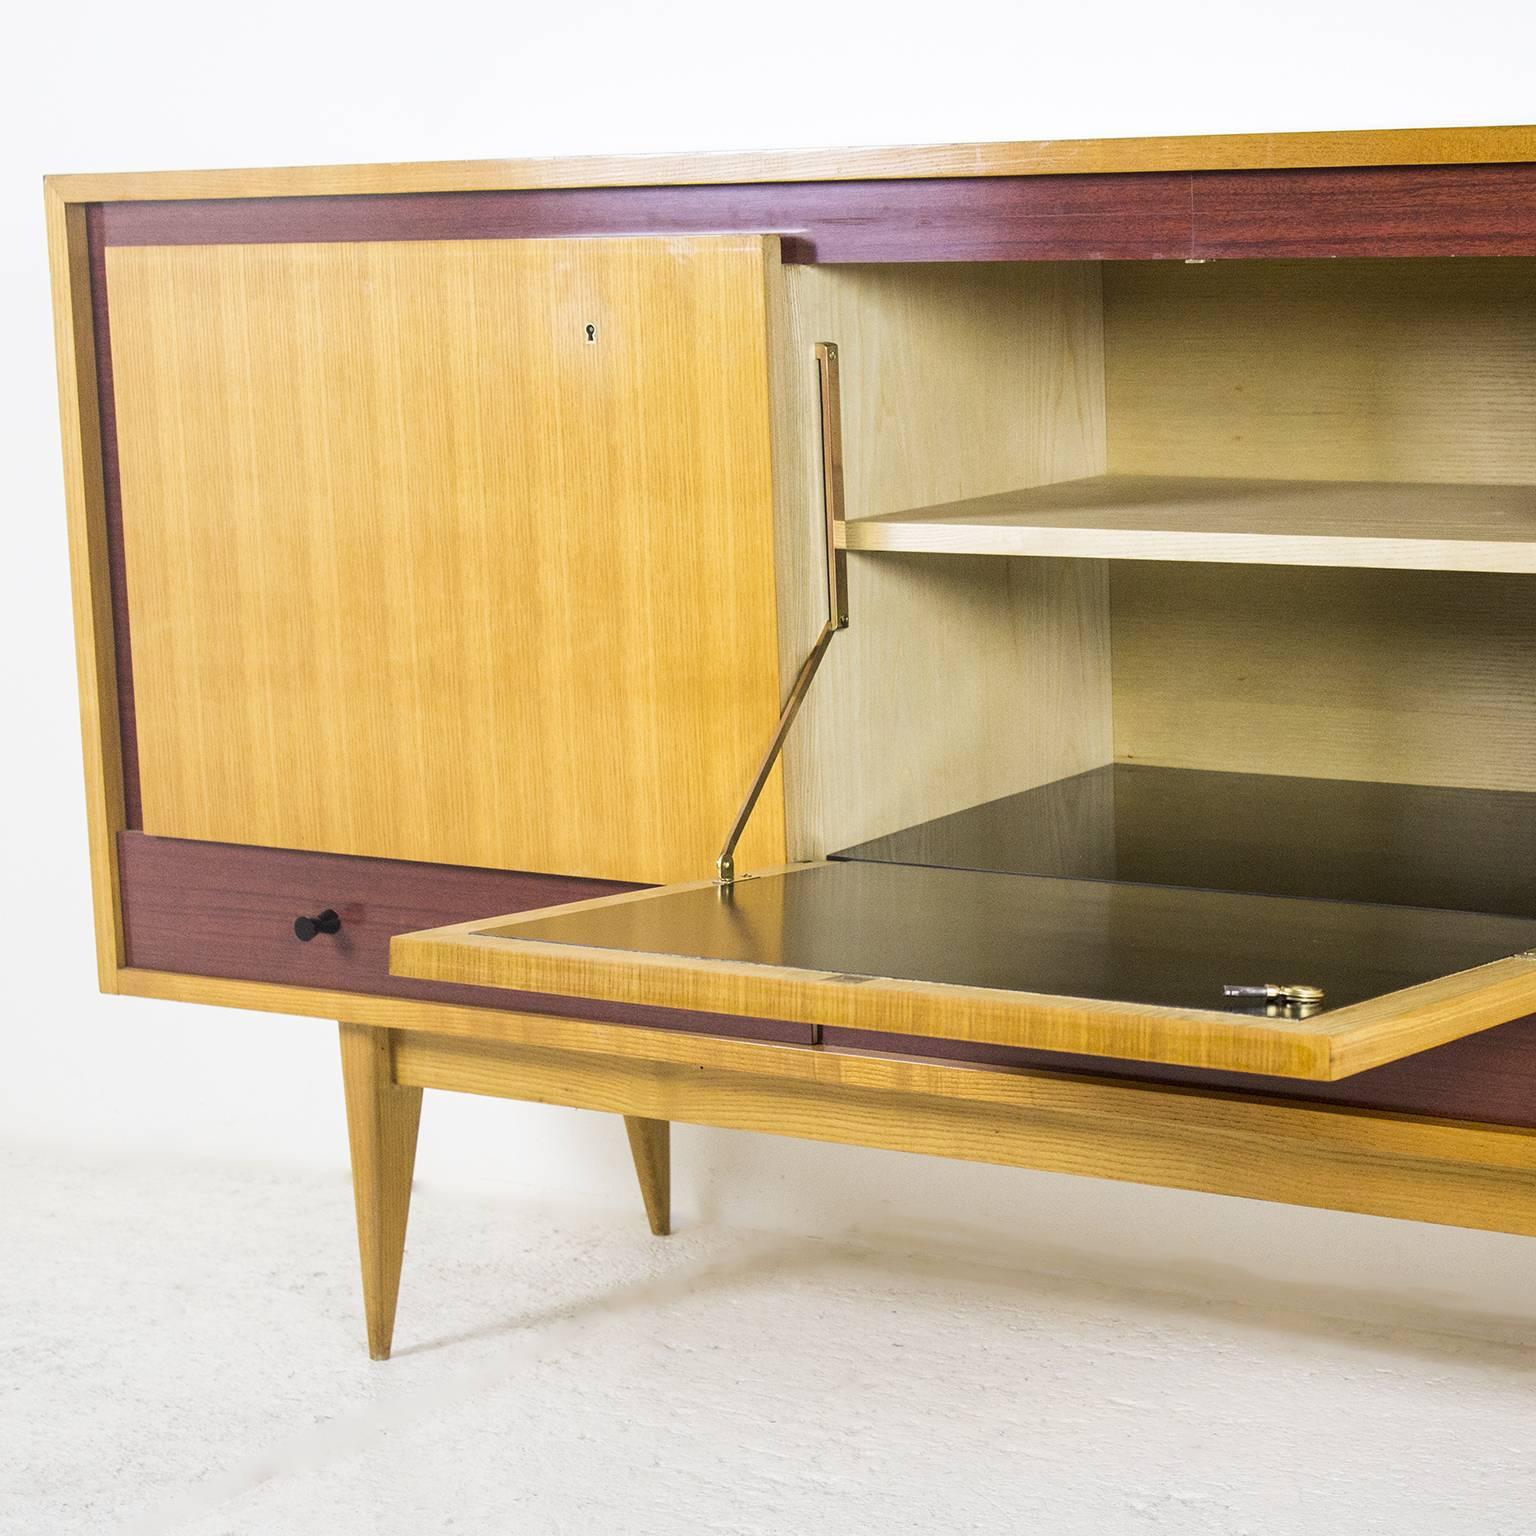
{"points": [[1405, 1166], [90, 586]]}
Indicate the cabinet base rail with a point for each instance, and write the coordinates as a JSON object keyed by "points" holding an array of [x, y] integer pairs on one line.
{"points": [[1454, 1173]]}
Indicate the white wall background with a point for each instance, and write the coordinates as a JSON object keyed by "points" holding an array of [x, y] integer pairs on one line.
{"points": [[117, 86]]}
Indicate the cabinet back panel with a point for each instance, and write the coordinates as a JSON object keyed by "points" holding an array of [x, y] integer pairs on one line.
{"points": [[417, 571], [1348, 370], [1411, 677]]}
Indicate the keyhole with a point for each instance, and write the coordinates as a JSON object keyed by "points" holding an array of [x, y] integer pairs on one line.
{"points": [[591, 334]]}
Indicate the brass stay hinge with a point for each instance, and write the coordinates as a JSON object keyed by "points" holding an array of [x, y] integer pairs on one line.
{"points": [[837, 598]]}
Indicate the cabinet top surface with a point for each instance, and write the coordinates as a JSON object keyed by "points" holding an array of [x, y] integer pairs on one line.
{"points": [[1041, 157]]}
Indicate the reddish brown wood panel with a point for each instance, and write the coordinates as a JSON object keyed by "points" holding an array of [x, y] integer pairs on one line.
{"points": [[113, 499], [1489, 1077], [1487, 210], [1471, 210], [1007, 218], [211, 909]]}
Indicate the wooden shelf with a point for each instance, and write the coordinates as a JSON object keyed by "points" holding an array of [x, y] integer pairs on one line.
{"points": [[1372, 523], [1414, 845]]}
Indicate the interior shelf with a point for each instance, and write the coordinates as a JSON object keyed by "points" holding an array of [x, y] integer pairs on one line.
{"points": [[1463, 850], [1368, 523]]}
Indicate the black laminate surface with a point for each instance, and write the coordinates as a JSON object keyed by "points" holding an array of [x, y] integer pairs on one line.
{"points": [[1076, 938], [1467, 850]]}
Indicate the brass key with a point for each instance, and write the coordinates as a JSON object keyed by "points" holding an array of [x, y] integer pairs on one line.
{"points": [[1269, 992]]}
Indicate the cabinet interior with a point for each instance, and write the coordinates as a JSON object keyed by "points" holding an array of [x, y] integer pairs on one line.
{"points": [[1279, 518]]}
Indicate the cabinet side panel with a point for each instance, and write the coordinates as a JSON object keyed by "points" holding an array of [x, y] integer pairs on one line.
{"points": [[451, 551], [90, 575], [955, 383]]}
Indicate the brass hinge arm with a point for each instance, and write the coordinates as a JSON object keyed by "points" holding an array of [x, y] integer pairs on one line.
{"points": [[837, 597]]}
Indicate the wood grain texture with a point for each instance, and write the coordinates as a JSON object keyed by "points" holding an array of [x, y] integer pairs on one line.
{"points": [[1349, 370], [383, 1117], [1376, 524], [650, 1144], [1385, 1029], [1405, 211], [1203, 152], [1329, 1046], [1403, 676], [1482, 1077], [1464, 210], [216, 909], [212, 910], [1009, 219], [1423, 1170], [418, 572], [587, 1029], [954, 382], [90, 571]]}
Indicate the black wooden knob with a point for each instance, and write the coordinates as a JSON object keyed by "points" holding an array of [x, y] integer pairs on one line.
{"points": [[306, 928]]}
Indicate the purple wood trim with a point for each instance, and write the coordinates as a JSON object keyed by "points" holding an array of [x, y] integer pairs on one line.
{"points": [[1487, 210], [112, 496], [1005, 218], [1466, 210], [1487, 1077], [213, 909]]}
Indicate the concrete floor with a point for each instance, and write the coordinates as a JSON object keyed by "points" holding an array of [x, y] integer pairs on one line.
{"points": [[181, 1350]]}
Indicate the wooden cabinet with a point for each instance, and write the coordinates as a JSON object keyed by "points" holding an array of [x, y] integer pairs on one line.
{"points": [[450, 544]]}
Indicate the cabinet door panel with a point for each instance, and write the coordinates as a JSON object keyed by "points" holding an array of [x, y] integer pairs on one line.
{"points": [[451, 551], [1087, 967]]}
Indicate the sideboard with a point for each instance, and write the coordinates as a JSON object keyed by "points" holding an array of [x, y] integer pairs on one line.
{"points": [[1019, 652]]}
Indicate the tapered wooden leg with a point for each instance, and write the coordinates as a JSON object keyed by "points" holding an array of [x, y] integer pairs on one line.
{"points": [[650, 1141], [382, 1120]]}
